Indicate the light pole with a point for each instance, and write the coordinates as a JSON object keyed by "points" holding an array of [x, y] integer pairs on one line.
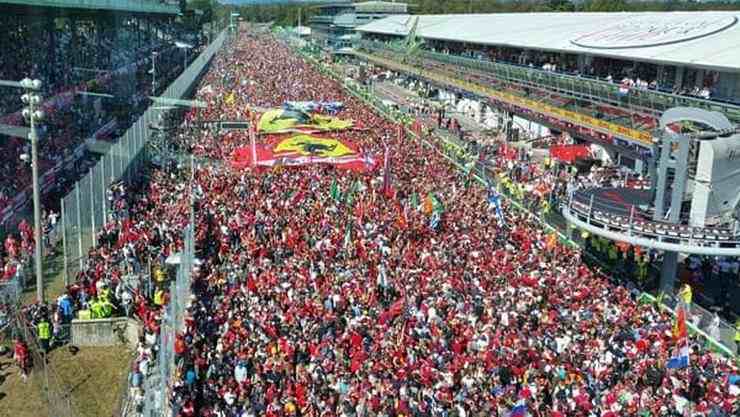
{"points": [[231, 21], [33, 115], [154, 73]]}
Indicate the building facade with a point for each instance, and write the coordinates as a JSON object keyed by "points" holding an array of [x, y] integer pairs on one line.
{"points": [[334, 27]]}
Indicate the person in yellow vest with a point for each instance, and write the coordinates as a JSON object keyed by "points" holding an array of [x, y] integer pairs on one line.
{"points": [[159, 274], [613, 254], [44, 335], [545, 207], [585, 235], [104, 294], [95, 312], [686, 294], [159, 297], [737, 337], [106, 308]]}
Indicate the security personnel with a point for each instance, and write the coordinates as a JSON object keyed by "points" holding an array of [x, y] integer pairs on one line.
{"points": [[95, 308], [686, 294], [545, 207], [44, 334], [642, 269], [159, 274], [106, 308], [737, 337], [613, 253], [104, 294], [159, 297]]}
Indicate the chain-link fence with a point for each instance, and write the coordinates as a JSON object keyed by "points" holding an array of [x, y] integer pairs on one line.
{"points": [[10, 294], [86, 209]]}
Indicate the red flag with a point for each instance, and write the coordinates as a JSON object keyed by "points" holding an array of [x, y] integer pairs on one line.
{"points": [[679, 328], [394, 310]]}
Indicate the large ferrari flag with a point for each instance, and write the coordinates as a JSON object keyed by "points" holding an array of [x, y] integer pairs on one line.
{"points": [[296, 121], [303, 150]]}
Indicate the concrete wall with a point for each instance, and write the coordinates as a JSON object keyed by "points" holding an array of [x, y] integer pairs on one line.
{"points": [[105, 332]]}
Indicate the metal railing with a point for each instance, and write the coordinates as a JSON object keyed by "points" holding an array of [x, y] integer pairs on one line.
{"points": [[648, 101], [159, 388], [87, 208], [633, 221]]}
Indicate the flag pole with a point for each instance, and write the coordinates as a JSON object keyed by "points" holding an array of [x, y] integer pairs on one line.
{"points": [[252, 136]]}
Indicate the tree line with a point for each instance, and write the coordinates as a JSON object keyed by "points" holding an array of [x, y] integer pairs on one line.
{"points": [[290, 14]]}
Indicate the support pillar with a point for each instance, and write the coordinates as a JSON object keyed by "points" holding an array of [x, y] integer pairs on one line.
{"points": [[52, 50], [699, 80], [678, 82], [640, 166], [668, 272]]}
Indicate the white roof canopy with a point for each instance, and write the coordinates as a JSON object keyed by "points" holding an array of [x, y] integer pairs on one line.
{"points": [[701, 39]]}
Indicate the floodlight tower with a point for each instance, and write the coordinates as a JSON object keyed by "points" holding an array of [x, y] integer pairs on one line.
{"points": [[34, 115]]}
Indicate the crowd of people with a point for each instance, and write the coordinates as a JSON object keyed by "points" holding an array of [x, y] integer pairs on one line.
{"points": [[632, 75], [309, 304], [322, 292]]}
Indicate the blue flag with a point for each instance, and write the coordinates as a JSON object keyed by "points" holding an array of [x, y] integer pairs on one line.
{"points": [[434, 221], [519, 410], [494, 202]]}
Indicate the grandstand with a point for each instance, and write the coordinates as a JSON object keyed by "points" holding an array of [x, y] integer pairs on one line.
{"points": [[570, 70]]}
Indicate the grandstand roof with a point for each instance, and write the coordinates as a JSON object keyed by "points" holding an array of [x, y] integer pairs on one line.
{"points": [[705, 39]]}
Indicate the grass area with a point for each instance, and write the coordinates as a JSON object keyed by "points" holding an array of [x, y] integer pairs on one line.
{"points": [[92, 377], [53, 278]]}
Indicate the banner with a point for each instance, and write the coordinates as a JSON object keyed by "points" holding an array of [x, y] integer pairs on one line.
{"points": [[569, 153], [330, 107], [303, 150], [286, 121]]}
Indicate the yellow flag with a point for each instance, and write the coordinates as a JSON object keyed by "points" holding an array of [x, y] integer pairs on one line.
{"points": [[230, 99]]}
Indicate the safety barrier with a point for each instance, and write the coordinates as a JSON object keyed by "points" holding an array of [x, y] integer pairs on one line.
{"points": [[157, 387]]}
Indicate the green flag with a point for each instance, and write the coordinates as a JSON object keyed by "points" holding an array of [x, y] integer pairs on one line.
{"points": [[335, 193], [352, 192], [415, 201], [437, 206], [348, 235]]}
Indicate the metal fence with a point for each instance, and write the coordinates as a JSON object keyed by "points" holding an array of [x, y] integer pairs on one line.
{"points": [[158, 387], [86, 209], [10, 290]]}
